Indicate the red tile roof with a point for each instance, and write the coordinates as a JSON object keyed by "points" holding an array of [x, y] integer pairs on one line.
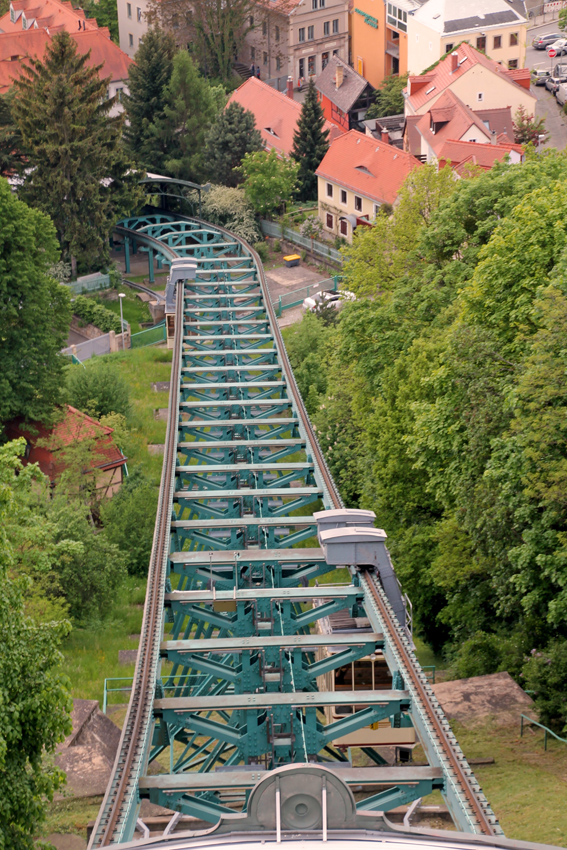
{"points": [[365, 165], [276, 114], [424, 87], [115, 63], [452, 119], [462, 154], [54, 14], [74, 427]]}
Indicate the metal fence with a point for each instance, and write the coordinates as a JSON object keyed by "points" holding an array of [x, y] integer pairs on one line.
{"points": [[270, 228], [89, 283], [297, 297], [85, 350], [150, 336]]}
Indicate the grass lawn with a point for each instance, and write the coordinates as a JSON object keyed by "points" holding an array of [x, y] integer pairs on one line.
{"points": [[134, 310]]}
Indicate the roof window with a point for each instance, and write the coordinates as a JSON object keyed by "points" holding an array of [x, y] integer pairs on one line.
{"points": [[430, 90]]}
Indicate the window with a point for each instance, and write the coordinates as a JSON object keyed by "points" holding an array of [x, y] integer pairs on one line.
{"points": [[278, 63], [301, 68], [129, 9], [343, 196], [326, 28], [335, 26], [311, 65], [265, 58], [264, 28], [449, 48], [358, 203], [397, 18], [139, 15], [344, 227], [321, 4], [302, 33], [481, 42], [376, 210], [252, 53], [310, 33], [512, 64], [324, 60], [119, 94], [336, 52], [497, 42], [329, 190], [251, 20], [277, 33], [330, 221], [313, 4], [130, 40], [480, 96], [175, 21], [513, 39]]}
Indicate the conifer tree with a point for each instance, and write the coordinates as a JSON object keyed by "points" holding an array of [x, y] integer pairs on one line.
{"points": [[232, 136], [77, 170], [148, 79], [310, 144]]}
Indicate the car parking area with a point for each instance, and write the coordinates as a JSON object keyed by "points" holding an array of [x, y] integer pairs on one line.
{"points": [[547, 106]]}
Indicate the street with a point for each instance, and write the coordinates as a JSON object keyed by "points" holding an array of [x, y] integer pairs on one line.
{"points": [[547, 107]]}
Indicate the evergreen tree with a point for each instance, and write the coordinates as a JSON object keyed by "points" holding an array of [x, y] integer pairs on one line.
{"points": [[232, 136], [190, 107], [310, 144], [10, 142], [77, 170], [147, 81]]}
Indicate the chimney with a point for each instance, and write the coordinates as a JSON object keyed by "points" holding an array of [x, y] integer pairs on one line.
{"points": [[454, 61], [289, 90], [493, 137], [339, 73], [385, 137]]}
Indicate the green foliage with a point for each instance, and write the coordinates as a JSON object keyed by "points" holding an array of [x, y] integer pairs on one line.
{"points": [[528, 129], [92, 313], [545, 673], [77, 170], [261, 249], [269, 181], [129, 519], [11, 156], [105, 13], [562, 20], [97, 390], [231, 137], [148, 78], [388, 98], [311, 227], [35, 312], [177, 136], [310, 144], [229, 208], [34, 703]]}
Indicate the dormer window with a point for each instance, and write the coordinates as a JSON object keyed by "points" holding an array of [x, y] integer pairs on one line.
{"points": [[12, 14], [24, 22]]}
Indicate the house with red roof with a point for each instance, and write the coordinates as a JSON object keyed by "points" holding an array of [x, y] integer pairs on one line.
{"points": [[344, 94], [356, 176], [276, 114], [46, 445], [478, 81], [29, 26], [465, 158]]}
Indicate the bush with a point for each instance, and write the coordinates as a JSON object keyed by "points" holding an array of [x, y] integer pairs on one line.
{"points": [[129, 519], [97, 389], [229, 208], [277, 246], [545, 673], [95, 314], [262, 250], [483, 653]]}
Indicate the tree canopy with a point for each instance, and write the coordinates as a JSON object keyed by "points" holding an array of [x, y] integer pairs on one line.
{"points": [[388, 97], [310, 144], [233, 135], [269, 181]]}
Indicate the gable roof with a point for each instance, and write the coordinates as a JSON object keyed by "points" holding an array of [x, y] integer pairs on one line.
{"points": [[425, 87], [275, 113], [451, 119], [462, 154], [350, 89], [53, 15], [500, 120], [449, 17], [367, 166]]}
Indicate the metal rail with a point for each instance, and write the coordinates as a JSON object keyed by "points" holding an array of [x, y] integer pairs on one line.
{"points": [[117, 817]]}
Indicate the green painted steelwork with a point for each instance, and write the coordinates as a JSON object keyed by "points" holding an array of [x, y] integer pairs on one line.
{"points": [[529, 721]]}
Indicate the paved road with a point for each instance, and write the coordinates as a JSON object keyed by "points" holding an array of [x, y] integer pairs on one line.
{"points": [[547, 107]]}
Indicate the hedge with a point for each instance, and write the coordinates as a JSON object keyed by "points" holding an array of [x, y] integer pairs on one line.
{"points": [[95, 314]]}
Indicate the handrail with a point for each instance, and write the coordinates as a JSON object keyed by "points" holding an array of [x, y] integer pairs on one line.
{"points": [[546, 729]]}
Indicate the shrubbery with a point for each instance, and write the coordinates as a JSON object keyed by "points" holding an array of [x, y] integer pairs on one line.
{"points": [[129, 519], [98, 390], [93, 313]]}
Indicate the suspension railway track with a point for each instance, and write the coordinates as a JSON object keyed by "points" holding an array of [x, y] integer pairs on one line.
{"points": [[224, 526]]}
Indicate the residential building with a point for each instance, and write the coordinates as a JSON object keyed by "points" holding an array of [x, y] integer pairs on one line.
{"points": [[132, 24], [46, 444], [345, 95], [276, 114], [29, 26], [356, 176], [497, 27], [296, 38], [479, 82], [466, 158], [379, 37]]}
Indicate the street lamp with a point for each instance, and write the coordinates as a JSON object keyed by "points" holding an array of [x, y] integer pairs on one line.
{"points": [[122, 295]]}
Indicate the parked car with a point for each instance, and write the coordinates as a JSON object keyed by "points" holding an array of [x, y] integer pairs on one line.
{"points": [[560, 46], [328, 297], [561, 94], [540, 42], [539, 76], [553, 82]]}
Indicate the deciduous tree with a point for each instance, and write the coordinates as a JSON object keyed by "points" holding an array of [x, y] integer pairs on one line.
{"points": [[528, 129], [310, 144], [229, 208], [233, 135], [389, 97], [269, 181]]}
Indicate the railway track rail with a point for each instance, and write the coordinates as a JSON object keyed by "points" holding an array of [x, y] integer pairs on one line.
{"points": [[211, 641]]}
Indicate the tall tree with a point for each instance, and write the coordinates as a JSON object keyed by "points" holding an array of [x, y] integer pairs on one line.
{"points": [[310, 144], [77, 171], [269, 181], [34, 703], [190, 107], [35, 312], [232, 136], [148, 79], [11, 156], [389, 97]]}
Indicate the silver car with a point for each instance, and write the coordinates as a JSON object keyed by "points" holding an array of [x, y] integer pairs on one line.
{"points": [[561, 94]]}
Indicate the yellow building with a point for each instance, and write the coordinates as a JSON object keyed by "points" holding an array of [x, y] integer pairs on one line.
{"points": [[379, 40]]}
